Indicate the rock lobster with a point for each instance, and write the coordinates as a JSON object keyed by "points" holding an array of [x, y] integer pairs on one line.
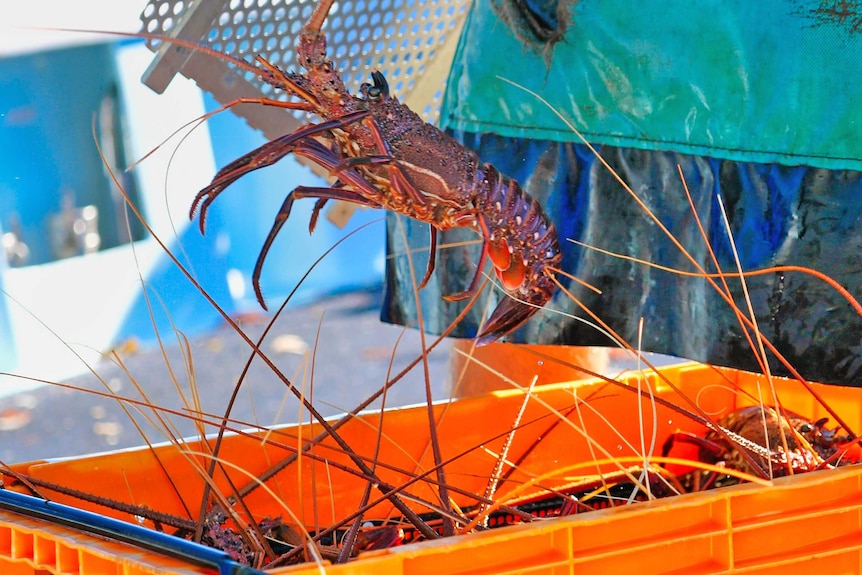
{"points": [[385, 156], [783, 443]]}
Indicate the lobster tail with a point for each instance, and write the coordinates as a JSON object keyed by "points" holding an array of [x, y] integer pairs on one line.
{"points": [[522, 244], [508, 316]]}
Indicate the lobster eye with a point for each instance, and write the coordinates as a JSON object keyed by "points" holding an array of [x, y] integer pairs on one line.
{"points": [[374, 93], [805, 428]]}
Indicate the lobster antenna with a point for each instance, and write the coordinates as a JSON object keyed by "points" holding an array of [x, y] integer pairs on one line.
{"points": [[315, 23]]}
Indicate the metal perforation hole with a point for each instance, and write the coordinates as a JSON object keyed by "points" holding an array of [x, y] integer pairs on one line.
{"points": [[294, 12]]}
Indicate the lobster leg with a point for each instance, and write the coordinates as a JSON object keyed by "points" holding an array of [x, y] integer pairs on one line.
{"points": [[477, 278], [432, 256], [315, 213], [283, 214], [265, 155], [400, 182], [363, 193], [405, 188]]}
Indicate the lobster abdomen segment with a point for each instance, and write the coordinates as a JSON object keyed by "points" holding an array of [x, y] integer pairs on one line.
{"points": [[523, 246]]}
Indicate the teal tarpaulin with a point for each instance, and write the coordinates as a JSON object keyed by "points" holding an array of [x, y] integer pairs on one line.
{"points": [[766, 81]]}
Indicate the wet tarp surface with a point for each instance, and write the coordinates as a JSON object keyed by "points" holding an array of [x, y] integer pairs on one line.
{"points": [[752, 103]]}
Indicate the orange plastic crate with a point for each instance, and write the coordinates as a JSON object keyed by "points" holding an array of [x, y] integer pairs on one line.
{"points": [[798, 523]]}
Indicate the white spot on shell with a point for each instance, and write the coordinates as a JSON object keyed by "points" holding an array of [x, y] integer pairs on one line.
{"points": [[518, 220]]}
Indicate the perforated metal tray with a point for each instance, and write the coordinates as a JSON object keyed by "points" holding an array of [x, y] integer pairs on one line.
{"points": [[410, 41]]}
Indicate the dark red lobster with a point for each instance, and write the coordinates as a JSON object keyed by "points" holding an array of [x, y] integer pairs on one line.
{"points": [[385, 156], [775, 441]]}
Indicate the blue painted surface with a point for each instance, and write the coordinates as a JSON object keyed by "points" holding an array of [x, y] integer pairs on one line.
{"points": [[47, 141], [174, 302], [8, 353], [48, 153]]}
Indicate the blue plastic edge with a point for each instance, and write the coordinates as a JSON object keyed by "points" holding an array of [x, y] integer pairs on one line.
{"points": [[115, 529]]}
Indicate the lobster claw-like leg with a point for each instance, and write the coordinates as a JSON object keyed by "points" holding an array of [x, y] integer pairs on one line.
{"points": [[266, 155], [358, 191]]}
